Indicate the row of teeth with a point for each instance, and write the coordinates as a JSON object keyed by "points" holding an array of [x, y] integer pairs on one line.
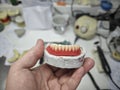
{"points": [[60, 47]]}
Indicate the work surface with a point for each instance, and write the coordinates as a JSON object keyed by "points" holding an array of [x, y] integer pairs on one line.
{"points": [[31, 36]]}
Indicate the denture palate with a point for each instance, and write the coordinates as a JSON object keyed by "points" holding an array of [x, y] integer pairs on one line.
{"points": [[64, 50]]}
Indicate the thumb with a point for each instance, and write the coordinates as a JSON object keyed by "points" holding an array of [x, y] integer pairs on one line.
{"points": [[32, 56]]}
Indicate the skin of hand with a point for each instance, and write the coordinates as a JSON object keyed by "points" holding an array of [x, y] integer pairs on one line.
{"points": [[22, 76]]}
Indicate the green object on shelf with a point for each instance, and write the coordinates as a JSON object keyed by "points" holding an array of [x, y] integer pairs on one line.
{"points": [[14, 2], [1, 27]]}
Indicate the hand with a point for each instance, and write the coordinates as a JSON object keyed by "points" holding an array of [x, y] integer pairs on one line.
{"points": [[44, 77]]}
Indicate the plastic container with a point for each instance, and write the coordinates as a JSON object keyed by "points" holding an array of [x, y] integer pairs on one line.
{"points": [[4, 17], [106, 5]]}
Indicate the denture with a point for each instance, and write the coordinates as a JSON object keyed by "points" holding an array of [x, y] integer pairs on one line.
{"points": [[64, 50], [64, 56]]}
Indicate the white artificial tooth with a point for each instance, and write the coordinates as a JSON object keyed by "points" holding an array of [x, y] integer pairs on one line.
{"points": [[62, 47], [51, 46], [55, 47], [70, 48], [73, 48], [66, 47], [78, 47], [59, 47]]}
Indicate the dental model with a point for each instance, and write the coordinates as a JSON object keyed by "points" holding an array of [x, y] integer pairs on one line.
{"points": [[64, 56]]}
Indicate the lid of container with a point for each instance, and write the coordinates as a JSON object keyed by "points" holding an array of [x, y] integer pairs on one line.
{"points": [[12, 12], [3, 14]]}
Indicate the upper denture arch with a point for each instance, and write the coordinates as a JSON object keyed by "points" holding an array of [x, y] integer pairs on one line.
{"points": [[63, 50]]}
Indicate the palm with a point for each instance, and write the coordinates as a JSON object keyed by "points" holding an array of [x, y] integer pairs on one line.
{"points": [[48, 80]]}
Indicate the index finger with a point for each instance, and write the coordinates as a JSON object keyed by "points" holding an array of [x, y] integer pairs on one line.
{"points": [[31, 57], [77, 76]]}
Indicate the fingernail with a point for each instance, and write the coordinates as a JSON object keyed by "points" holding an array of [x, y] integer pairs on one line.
{"points": [[91, 63]]}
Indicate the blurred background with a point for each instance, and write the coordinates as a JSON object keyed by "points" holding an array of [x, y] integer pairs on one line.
{"points": [[92, 24]]}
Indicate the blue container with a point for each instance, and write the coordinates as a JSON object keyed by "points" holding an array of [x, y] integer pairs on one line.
{"points": [[106, 5]]}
